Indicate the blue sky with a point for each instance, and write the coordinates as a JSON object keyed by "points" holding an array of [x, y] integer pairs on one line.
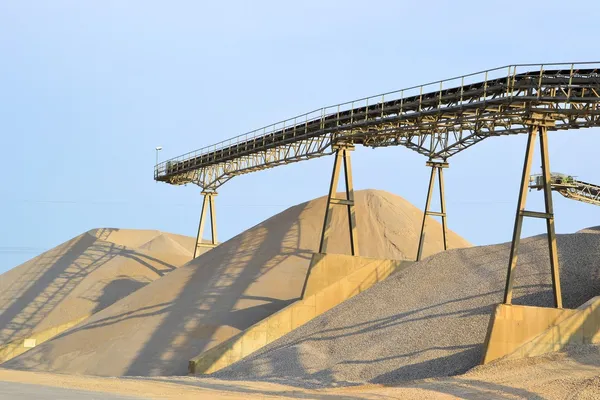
{"points": [[89, 88]]}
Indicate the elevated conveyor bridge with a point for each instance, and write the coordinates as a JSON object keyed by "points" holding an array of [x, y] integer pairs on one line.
{"points": [[437, 120]]}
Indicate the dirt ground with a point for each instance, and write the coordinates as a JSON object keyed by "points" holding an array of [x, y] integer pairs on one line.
{"points": [[574, 374]]}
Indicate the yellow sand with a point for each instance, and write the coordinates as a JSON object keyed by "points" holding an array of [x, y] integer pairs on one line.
{"points": [[82, 276], [157, 329]]}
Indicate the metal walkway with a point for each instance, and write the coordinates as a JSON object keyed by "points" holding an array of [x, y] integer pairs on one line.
{"points": [[569, 187], [437, 120]]}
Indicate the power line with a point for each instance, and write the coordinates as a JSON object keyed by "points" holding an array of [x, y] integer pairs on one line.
{"points": [[137, 204], [21, 250]]}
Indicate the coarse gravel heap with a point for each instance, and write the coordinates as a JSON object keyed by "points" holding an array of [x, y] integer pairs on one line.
{"points": [[159, 328], [428, 320]]}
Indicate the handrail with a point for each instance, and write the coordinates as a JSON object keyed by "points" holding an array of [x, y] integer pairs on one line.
{"points": [[379, 99]]}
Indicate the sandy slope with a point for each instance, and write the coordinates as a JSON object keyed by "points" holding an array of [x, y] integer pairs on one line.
{"points": [[156, 330], [84, 275]]}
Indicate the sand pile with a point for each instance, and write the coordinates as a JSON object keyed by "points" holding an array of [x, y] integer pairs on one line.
{"points": [[156, 330], [84, 275], [426, 321]]}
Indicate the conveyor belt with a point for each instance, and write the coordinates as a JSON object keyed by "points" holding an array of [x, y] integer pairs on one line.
{"points": [[437, 120], [569, 187]]}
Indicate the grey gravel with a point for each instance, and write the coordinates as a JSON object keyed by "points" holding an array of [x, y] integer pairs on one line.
{"points": [[429, 320]]}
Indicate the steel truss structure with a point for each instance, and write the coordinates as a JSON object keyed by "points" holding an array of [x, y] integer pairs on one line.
{"points": [[540, 126], [208, 202], [342, 153], [570, 188], [437, 120], [436, 168]]}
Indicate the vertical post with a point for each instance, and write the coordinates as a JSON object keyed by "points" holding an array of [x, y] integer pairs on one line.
{"points": [[516, 238], [350, 206], [540, 125], [552, 247], [329, 207], [213, 219], [436, 168], [207, 202], [443, 207], [342, 153], [427, 203]]}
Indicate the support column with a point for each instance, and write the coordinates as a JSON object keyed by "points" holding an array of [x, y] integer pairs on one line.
{"points": [[437, 167], [539, 125], [207, 203], [342, 154]]}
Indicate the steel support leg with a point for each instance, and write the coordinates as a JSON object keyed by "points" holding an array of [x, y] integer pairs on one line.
{"points": [[342, 154], [436, 168], [548, 216], [443, 207], [207, 203], [552, 247]]}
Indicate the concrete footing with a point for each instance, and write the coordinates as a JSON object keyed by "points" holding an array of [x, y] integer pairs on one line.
{"points": [[526, 331], [333, 278]]}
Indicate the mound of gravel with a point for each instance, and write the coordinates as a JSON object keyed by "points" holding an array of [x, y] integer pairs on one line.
{"points": [[429, 320], [157, 329]]}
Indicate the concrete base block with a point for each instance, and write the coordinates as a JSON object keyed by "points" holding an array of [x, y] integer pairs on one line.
{"points": [[19, 346], [526, 331], [333, 279]]}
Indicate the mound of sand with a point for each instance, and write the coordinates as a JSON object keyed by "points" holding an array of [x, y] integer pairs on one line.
{"points": [[425, 321], [84, 275], [156, 330]]}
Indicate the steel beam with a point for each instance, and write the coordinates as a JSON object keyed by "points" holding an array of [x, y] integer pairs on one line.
{"points": [[437, 167], [516, 238], [552, 247], [542, 128], [207, 204], [342, 158]]}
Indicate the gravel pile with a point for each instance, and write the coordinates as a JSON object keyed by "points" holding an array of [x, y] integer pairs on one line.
{"points": [[159, 328], [429, 320]]}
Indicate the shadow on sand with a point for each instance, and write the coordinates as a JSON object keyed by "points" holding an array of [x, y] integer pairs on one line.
{"points": [[51, 277]]}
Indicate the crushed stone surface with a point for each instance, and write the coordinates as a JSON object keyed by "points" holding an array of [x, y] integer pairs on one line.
{"points": [[157, 329], [429, 320]]}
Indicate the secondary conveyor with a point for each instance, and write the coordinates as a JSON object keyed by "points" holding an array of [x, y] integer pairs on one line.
{"points": [[438, 120], [569, 187]]}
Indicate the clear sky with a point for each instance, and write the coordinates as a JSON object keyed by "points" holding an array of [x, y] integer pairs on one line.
{"points": [[88, 89]]}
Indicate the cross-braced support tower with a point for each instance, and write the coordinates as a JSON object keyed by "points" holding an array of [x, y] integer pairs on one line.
{"points": [[208, 202], [342, 154], [437, 167], [538, 124], [437, 120]]}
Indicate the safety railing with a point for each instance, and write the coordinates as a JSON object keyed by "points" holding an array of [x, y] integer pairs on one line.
{"points": [[487, 83]]}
